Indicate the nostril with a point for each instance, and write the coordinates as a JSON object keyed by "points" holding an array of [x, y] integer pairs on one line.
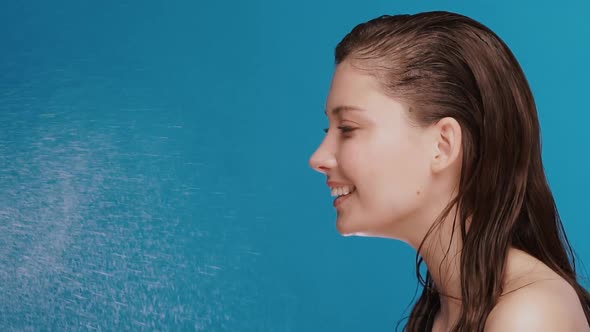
{"points": [[314, 165]]}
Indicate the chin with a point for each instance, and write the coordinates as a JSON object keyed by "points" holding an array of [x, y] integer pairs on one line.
{"points": [[345, 230], [352, 230]]}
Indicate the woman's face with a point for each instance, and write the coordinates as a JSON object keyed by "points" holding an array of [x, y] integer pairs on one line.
{"points": [[384, 157]]}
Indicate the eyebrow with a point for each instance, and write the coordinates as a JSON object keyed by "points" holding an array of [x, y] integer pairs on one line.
{"points": [[339, 109]]}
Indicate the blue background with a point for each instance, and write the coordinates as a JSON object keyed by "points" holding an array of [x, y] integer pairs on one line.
{"points": [[154, 162]]}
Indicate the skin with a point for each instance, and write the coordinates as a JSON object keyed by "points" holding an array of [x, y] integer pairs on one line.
{"points": [[404, 176]]}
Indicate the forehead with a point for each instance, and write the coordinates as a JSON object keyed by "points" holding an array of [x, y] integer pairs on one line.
{"points": [[350, 86], [351, 90]]}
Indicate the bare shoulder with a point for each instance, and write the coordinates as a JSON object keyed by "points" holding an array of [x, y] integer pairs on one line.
{"points": [[545, 305]]}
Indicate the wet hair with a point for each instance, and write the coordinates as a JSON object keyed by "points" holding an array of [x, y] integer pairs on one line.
{"points": [[444, 64]]}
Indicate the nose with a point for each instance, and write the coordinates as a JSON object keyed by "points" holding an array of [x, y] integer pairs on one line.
{"points": [[322, 161]]}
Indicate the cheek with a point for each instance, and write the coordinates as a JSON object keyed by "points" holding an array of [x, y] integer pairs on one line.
{"points": [[398, 175], [385, 167]]}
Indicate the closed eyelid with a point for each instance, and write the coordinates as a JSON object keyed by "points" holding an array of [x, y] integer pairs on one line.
{"points": [[344, 129]]}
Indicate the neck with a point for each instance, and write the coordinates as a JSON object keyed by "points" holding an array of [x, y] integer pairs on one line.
{"points": [[442, 254]]}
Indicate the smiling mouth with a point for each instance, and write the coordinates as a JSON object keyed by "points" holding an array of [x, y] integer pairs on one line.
{"points": [[340, 199]]}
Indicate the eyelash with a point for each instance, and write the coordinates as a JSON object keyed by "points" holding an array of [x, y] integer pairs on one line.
{"points": [[344, 129]]}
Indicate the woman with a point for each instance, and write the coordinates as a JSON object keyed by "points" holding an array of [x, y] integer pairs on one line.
{"points": [[434, 140]]}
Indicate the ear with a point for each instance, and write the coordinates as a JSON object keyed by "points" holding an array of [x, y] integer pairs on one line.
{"points": [[447, 144]]}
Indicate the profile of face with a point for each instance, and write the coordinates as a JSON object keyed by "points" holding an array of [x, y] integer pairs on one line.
{"points": [[390, 161]]}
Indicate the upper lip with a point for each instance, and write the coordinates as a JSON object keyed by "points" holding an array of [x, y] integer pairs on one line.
{"points": [[335, 184]]}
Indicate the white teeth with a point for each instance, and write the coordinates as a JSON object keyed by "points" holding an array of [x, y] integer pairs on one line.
{"points": [[342, 190]]}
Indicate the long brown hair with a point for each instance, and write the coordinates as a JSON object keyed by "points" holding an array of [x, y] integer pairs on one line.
{"points": [[444, 64]]}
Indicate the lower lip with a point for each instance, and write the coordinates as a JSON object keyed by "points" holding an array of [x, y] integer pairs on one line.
{"points": [[338, 201]]}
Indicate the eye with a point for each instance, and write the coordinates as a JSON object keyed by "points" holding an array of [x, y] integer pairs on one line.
{"points": [[344, 129]]}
